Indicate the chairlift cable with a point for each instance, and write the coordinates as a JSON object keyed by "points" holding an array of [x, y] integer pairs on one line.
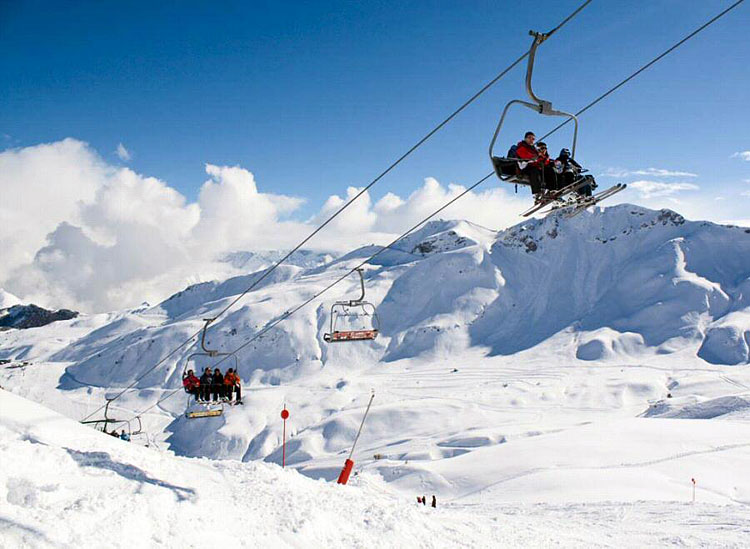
{"points": [[647, 65], [584, 109], [398, 161], [472, 187], [419, 143]]}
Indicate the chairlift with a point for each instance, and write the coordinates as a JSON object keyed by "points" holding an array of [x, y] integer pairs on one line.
{"points": [[355, 308], [195, 410], [106, 421], [508, 169]]}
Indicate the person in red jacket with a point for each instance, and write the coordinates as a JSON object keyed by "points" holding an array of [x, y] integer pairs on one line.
{"points": [[532, 167], [192, 384]]}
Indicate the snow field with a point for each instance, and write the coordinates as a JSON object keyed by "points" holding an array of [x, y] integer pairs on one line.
{"points": [[71, 486]]}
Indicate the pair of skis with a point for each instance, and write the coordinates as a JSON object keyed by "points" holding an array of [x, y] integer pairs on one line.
{"points": [[553, 196], [578, 206]]}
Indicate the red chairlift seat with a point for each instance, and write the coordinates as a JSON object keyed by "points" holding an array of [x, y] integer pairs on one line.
{"points": [[351, 335]]}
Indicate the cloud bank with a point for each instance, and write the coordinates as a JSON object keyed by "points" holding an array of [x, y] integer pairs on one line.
{"points": [[80, 233]]}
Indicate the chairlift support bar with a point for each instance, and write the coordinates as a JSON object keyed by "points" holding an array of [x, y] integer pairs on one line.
{"points": [[539, 105]]}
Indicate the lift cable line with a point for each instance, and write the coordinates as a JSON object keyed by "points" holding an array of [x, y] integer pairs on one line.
{"points": [[372, 183], [469, 189], [647, 65], [403, 157]]}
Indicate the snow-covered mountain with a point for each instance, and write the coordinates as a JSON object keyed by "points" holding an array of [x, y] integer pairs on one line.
{"points": [[32, 316], [503, 357]]}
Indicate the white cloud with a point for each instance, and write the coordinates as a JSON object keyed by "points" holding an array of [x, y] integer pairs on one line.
{"points": [[654, 189], [649, 172], [743, 155], [77, 232], [745, 193], [123, 153]]}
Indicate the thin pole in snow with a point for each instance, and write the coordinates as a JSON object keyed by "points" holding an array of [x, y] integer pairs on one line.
{"points": [[349, 464], [284, 416], [693, 481], [372, 396]]}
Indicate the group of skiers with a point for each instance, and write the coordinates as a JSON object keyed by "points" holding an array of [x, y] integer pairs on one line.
{"points": [[543, 173], [213, 385]]}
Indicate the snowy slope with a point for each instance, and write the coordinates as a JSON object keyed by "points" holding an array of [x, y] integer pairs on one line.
{"points": [[72, 486], [504, 357]]}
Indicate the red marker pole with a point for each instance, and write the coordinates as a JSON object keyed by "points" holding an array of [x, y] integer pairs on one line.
{"points": [[284, 416], [349, 464]]}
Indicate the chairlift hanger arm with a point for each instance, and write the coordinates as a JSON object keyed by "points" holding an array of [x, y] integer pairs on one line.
{"points": [[539, 105], [208, 322]]}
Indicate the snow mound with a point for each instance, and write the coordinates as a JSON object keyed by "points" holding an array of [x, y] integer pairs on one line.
{"points": [[709, 409], [727, 341]]}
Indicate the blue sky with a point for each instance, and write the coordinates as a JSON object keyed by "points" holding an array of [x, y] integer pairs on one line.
{"points": [[313, 97]]}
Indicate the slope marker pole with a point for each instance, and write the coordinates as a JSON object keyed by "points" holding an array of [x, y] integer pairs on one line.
{"points": [[349, 464], [284, 416]]}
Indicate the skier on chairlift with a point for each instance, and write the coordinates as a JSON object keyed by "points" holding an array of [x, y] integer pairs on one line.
{"points": [[217, 385], [549, 176], [192, 385], [232, 384], [531, 166], [570, 171], [205, 385]]}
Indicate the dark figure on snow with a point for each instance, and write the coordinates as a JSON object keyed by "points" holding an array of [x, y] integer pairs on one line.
{"points": [[549, 176], [205, 385], [570, 172], [232, 384], [192, 384], [217, 385], [124, 436], [434, 501]]}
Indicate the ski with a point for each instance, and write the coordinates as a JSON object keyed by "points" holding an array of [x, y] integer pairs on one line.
{"points": [[553, 196], [595, 199]]}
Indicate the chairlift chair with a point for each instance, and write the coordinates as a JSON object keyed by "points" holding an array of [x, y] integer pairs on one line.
{"points": [[358, 308], [508, 169], [197, 410], [106, 421]]}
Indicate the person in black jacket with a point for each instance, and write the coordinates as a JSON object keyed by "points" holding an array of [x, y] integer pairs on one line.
{"points": [[570, 172], [205, 386], [217, 385]]}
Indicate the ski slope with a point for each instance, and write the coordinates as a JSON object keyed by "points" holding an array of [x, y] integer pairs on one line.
{"points": [[581, 367], [71, 486]]}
